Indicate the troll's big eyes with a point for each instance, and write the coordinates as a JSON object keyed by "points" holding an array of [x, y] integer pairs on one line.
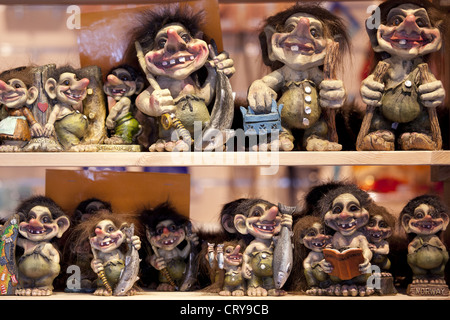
{"points": [[162, 43], [396, 21], [314, 33], [337, 209], [186, 38], [419, 214], [257, 212], [46, 219]]}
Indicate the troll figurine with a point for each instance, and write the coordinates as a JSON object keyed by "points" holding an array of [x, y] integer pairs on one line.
{"points": [[401, 94], [345, 210], [310, 230], [165, 232], [41, 222], [263, 222], [112, 261], [424, 219], [184, 83], [228, 257], [122, 84], [66, 119], [302, 45], [80, 253], [378, 230]]}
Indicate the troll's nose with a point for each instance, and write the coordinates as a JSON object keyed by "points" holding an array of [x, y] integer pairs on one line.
{"points": [[345, 215], [174, 41], [410, 25], [113, 80], [35, 223], [82, 84], [270, 214], [99, 232], [302, 28], [4, 86]]}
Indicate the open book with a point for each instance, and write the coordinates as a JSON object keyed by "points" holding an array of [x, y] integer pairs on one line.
{"points": [[345, 263]]}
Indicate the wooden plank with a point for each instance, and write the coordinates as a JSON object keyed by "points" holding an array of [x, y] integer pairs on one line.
{"points": [[176, 159]]}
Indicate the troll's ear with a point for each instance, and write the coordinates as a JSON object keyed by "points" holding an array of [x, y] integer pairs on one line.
{"points": [[227, 222], [50, 88], [63, 224], [268, 33], [405, 222], [33, 94], [239, 223]]}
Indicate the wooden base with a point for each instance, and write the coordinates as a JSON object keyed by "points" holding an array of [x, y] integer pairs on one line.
{"points": [[119, 148], [427, 290], [386, 286]]}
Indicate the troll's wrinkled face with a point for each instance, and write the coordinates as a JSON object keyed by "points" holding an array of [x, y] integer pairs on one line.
{"points": [[377, 229], [232, 255], [301, 44], [71, 90], [108, 236], [167, 235], [425, 220], [263, 221], [408, 33], [176, 53], [314, 237], [346, 215], [40, 226], [13, 93], [119, 84]]}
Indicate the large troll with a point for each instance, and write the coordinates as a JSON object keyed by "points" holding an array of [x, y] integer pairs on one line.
{"points": [[184, 83], [424, 219], [295, 44], [402, 102]]}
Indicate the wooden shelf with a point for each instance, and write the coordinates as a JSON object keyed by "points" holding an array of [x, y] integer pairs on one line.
{"points": [[118, 2], [212, 159], [202, 296]]}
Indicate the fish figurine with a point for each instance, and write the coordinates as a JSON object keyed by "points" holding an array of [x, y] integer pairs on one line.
{"points": [[283, 252], [129, 274], [222, 113], [211, 254], [220, 259]]}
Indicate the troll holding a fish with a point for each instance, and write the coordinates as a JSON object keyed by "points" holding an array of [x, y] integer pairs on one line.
{"points": [[114, 250], [260, 265]]}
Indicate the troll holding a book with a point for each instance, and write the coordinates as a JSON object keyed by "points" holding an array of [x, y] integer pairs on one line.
{"points": [[348, 256]]}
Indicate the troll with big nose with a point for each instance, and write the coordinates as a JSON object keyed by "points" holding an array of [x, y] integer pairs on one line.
{"points": [[294, 44], [263, 222], [345, 210], [406, 95], [16, 93], [184, 81], [66, 120]]}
